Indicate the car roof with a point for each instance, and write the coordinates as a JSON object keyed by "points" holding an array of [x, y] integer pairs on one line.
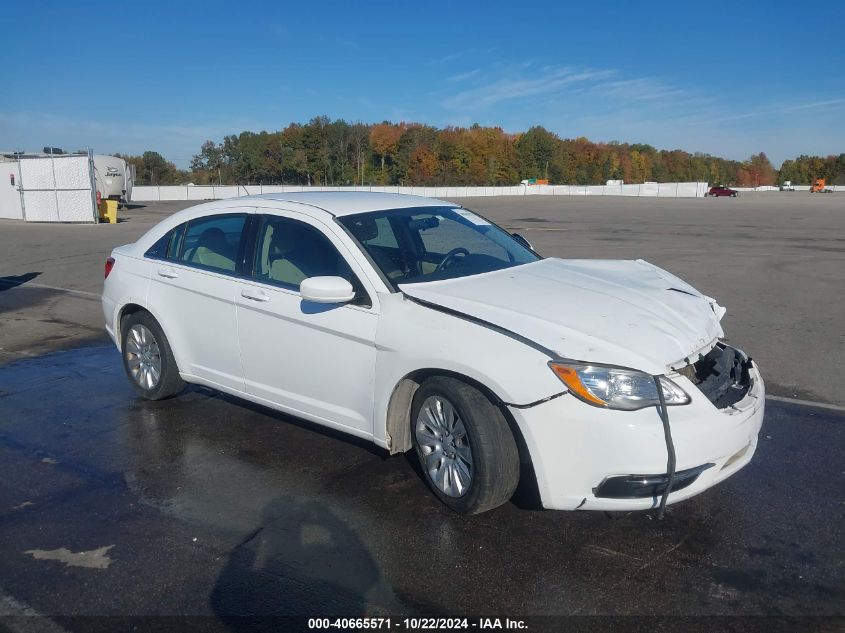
{"points": [[340, 203], [312, 203]]}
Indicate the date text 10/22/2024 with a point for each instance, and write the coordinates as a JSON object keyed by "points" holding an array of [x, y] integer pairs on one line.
{"points": [[416, 624]]}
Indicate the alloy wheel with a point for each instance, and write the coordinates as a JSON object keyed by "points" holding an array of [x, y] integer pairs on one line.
{"points": [[442, 438], [143, 357]]}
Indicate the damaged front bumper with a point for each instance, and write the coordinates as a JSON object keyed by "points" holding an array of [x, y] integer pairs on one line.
{"points": [[646, 486], [590, 458]]}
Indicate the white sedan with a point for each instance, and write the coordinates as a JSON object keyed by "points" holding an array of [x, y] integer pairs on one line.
{"points": [[418, 324]]}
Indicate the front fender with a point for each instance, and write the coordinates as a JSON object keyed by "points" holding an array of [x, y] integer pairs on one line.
{"points": [[412, 338]]}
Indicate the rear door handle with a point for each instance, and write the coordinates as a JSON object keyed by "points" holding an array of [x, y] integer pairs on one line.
{"points": [[170, 273], [255, 295]]}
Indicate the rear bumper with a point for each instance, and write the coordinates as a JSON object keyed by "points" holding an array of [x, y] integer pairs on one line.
{"points": [[576, 449]]}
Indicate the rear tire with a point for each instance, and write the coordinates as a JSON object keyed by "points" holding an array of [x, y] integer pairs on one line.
{"points": [[148, 359], [465, 447]]}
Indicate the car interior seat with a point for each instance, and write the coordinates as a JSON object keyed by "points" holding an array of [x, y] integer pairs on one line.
{"points": [[292, 256], [213, 250], [365, 229]]}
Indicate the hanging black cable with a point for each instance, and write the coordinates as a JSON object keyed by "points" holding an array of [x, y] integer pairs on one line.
{"points": [[670, 447]]}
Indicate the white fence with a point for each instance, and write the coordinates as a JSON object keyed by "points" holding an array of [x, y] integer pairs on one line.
{"points": [[215, 192], [835, 188], [10, 195], [49, 189]]}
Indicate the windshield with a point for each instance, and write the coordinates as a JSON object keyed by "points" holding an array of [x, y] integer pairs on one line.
{"points": [[433, 243]]}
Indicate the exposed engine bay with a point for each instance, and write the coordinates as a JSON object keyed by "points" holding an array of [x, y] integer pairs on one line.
{"points": [[722, 375]]}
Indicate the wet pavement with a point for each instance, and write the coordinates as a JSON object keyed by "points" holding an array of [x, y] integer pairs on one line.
{"points": [[206, 505]]}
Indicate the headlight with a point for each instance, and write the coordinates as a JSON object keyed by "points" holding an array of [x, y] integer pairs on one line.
{"points": [[616, 388]]}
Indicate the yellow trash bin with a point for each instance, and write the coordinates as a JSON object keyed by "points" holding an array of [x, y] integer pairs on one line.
{"points": [[108, 211]]}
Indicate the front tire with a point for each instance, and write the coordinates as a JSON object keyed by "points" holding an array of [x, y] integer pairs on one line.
{"points": [[465, 447], [148, 359]]}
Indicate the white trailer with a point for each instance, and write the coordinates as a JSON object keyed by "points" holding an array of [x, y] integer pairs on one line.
{"points": [[113, 178]]}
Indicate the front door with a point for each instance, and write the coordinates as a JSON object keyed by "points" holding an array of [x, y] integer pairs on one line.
{"points": [[314, 360]]}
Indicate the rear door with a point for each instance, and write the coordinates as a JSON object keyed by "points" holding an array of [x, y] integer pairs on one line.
{"points": [[192, 293], [315, 360]]}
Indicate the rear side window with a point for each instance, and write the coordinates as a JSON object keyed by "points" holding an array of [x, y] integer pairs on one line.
{"points": [[167, 245], [175, 242], [159, 249], [213, 242]]}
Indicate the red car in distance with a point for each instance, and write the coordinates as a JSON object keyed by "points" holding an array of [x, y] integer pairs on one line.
{"points": [[722, 191]]}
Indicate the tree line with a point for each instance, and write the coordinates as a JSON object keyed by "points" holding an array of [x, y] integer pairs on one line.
{"points": [[335, 152], [804, 169]]}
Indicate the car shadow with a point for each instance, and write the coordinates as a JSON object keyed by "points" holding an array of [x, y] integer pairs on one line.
{"points": [[13, 281], [288, 418], [303, 561]]}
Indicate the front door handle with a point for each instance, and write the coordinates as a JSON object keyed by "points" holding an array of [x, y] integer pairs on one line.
{"points": [[169, 273], [255, 295]]}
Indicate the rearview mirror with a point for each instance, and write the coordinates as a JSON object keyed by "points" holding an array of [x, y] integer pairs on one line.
{"points": [[522, 241], [326, 290]]}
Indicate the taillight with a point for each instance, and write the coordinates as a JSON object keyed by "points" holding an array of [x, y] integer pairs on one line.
{"points": [[109, 266], [99, 199]]}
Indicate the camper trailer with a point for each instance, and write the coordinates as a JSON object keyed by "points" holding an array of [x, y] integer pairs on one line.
{"points": [[113, 178]]}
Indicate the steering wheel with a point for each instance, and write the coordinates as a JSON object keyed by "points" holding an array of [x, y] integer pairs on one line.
{"points": [[450, 256]]}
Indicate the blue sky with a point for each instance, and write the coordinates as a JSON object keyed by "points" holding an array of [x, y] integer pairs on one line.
{"points": [[730, 79]]}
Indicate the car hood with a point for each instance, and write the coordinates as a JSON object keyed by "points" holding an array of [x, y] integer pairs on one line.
{"points": [[617, 312]]}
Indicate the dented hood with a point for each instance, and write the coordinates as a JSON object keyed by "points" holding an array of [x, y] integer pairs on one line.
{"points": [[617, 312]]}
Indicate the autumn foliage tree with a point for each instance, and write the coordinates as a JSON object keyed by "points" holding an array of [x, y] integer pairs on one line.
{"points": [[757, 171], [384, 139], [335, 152], [423, 166], [151, 168]]}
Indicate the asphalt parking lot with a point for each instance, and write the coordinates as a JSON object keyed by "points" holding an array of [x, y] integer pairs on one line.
{"points": [[211, 507]]}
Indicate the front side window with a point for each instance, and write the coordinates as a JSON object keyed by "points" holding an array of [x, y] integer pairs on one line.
{"points": [[433, 243], [213, 242], [289, 251]]}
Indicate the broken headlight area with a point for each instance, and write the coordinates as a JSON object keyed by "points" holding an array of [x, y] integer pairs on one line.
{"points": [[723, 375]]}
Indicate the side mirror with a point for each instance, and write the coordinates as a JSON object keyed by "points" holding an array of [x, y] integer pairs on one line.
{"points": [[326, 290], [519, 238]]}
